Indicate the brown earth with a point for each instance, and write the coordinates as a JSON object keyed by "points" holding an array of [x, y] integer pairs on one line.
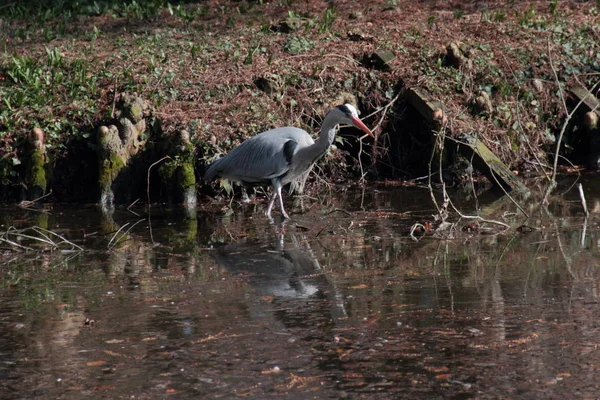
{"points": [[201, 73]]}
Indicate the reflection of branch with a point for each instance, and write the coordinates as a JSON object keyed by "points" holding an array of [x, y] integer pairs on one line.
{"points": [[568, 261], [115, 235], [148, 196], [508, 195], [448, 277], [124, 234], [582, 198], [583, 232], [478, 217]]}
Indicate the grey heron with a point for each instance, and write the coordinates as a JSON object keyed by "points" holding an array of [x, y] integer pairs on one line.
{"points": [[282, 155]]}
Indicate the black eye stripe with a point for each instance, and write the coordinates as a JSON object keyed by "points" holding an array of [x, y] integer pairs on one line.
{"points": [[343, 108]]}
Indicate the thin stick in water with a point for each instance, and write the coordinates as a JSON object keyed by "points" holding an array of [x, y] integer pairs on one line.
{"points": [[115, 235], [40, 230], [148, 178], [582, 198], [127, 232]]}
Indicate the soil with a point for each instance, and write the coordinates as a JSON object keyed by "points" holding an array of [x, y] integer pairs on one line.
{"points": [[226, 70]]}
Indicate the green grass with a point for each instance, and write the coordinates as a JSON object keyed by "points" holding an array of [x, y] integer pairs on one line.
{"points": [[52, 92], [64, 60]]}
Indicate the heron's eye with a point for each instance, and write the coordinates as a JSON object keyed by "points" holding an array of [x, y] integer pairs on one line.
{"points": [[344, 108]]}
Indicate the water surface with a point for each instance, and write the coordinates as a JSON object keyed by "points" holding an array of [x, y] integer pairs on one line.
{"points": [[340, 302]]}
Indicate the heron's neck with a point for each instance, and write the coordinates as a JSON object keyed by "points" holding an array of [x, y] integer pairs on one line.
{"points": [[315, 151], [328, 131]]}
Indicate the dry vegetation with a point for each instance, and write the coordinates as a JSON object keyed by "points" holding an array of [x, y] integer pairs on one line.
{"points": [[200, 65]]}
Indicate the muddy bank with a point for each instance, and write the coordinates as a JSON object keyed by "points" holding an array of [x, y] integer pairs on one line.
{"points": [[506, 85]]}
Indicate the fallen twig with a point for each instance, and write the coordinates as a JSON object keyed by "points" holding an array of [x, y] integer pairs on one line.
{"points": [[132, 204], [14, 231], [40, 230], [414, 228], [28, 203], [44, 236], [15, 244]]}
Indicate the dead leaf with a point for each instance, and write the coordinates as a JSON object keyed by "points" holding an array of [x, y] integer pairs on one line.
{"points": [[271, 371], [104, 387], [442, 368], [115, 354], [96, 363], [361, 286], [114, 341]]}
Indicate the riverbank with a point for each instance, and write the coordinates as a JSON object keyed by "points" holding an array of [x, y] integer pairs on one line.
{"points": [[223, 71]]}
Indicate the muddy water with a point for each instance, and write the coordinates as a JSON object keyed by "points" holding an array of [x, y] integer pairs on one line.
{"points": [[338, 303]]}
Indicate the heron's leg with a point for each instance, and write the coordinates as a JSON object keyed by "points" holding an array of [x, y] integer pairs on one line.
{"points": [[271, 201], [277, 187]]}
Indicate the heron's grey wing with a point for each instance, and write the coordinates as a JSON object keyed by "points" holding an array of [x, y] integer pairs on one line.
{"points": [[262, 157]]}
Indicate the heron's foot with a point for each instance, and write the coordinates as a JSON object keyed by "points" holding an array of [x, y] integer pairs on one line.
{"points": [[284, 215]]}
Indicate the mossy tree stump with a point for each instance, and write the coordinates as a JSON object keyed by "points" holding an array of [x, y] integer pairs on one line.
{"points": [[177, 173], [117, 144], [36, 166]]}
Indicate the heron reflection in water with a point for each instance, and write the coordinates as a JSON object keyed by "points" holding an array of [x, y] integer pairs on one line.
{"points": [[288, 272]]}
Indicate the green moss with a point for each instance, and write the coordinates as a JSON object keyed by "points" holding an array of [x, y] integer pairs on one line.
{"points": [[103, 138], [109, 169], [191, 231], [137, 112], [167, 171], [36, 172], [41, 220], [187, 176]]}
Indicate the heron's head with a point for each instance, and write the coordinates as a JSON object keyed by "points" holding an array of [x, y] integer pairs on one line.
{"points": [[347, 114]]}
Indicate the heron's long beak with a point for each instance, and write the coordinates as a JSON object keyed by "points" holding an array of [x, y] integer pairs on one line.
{"points": [[359, 124]]}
